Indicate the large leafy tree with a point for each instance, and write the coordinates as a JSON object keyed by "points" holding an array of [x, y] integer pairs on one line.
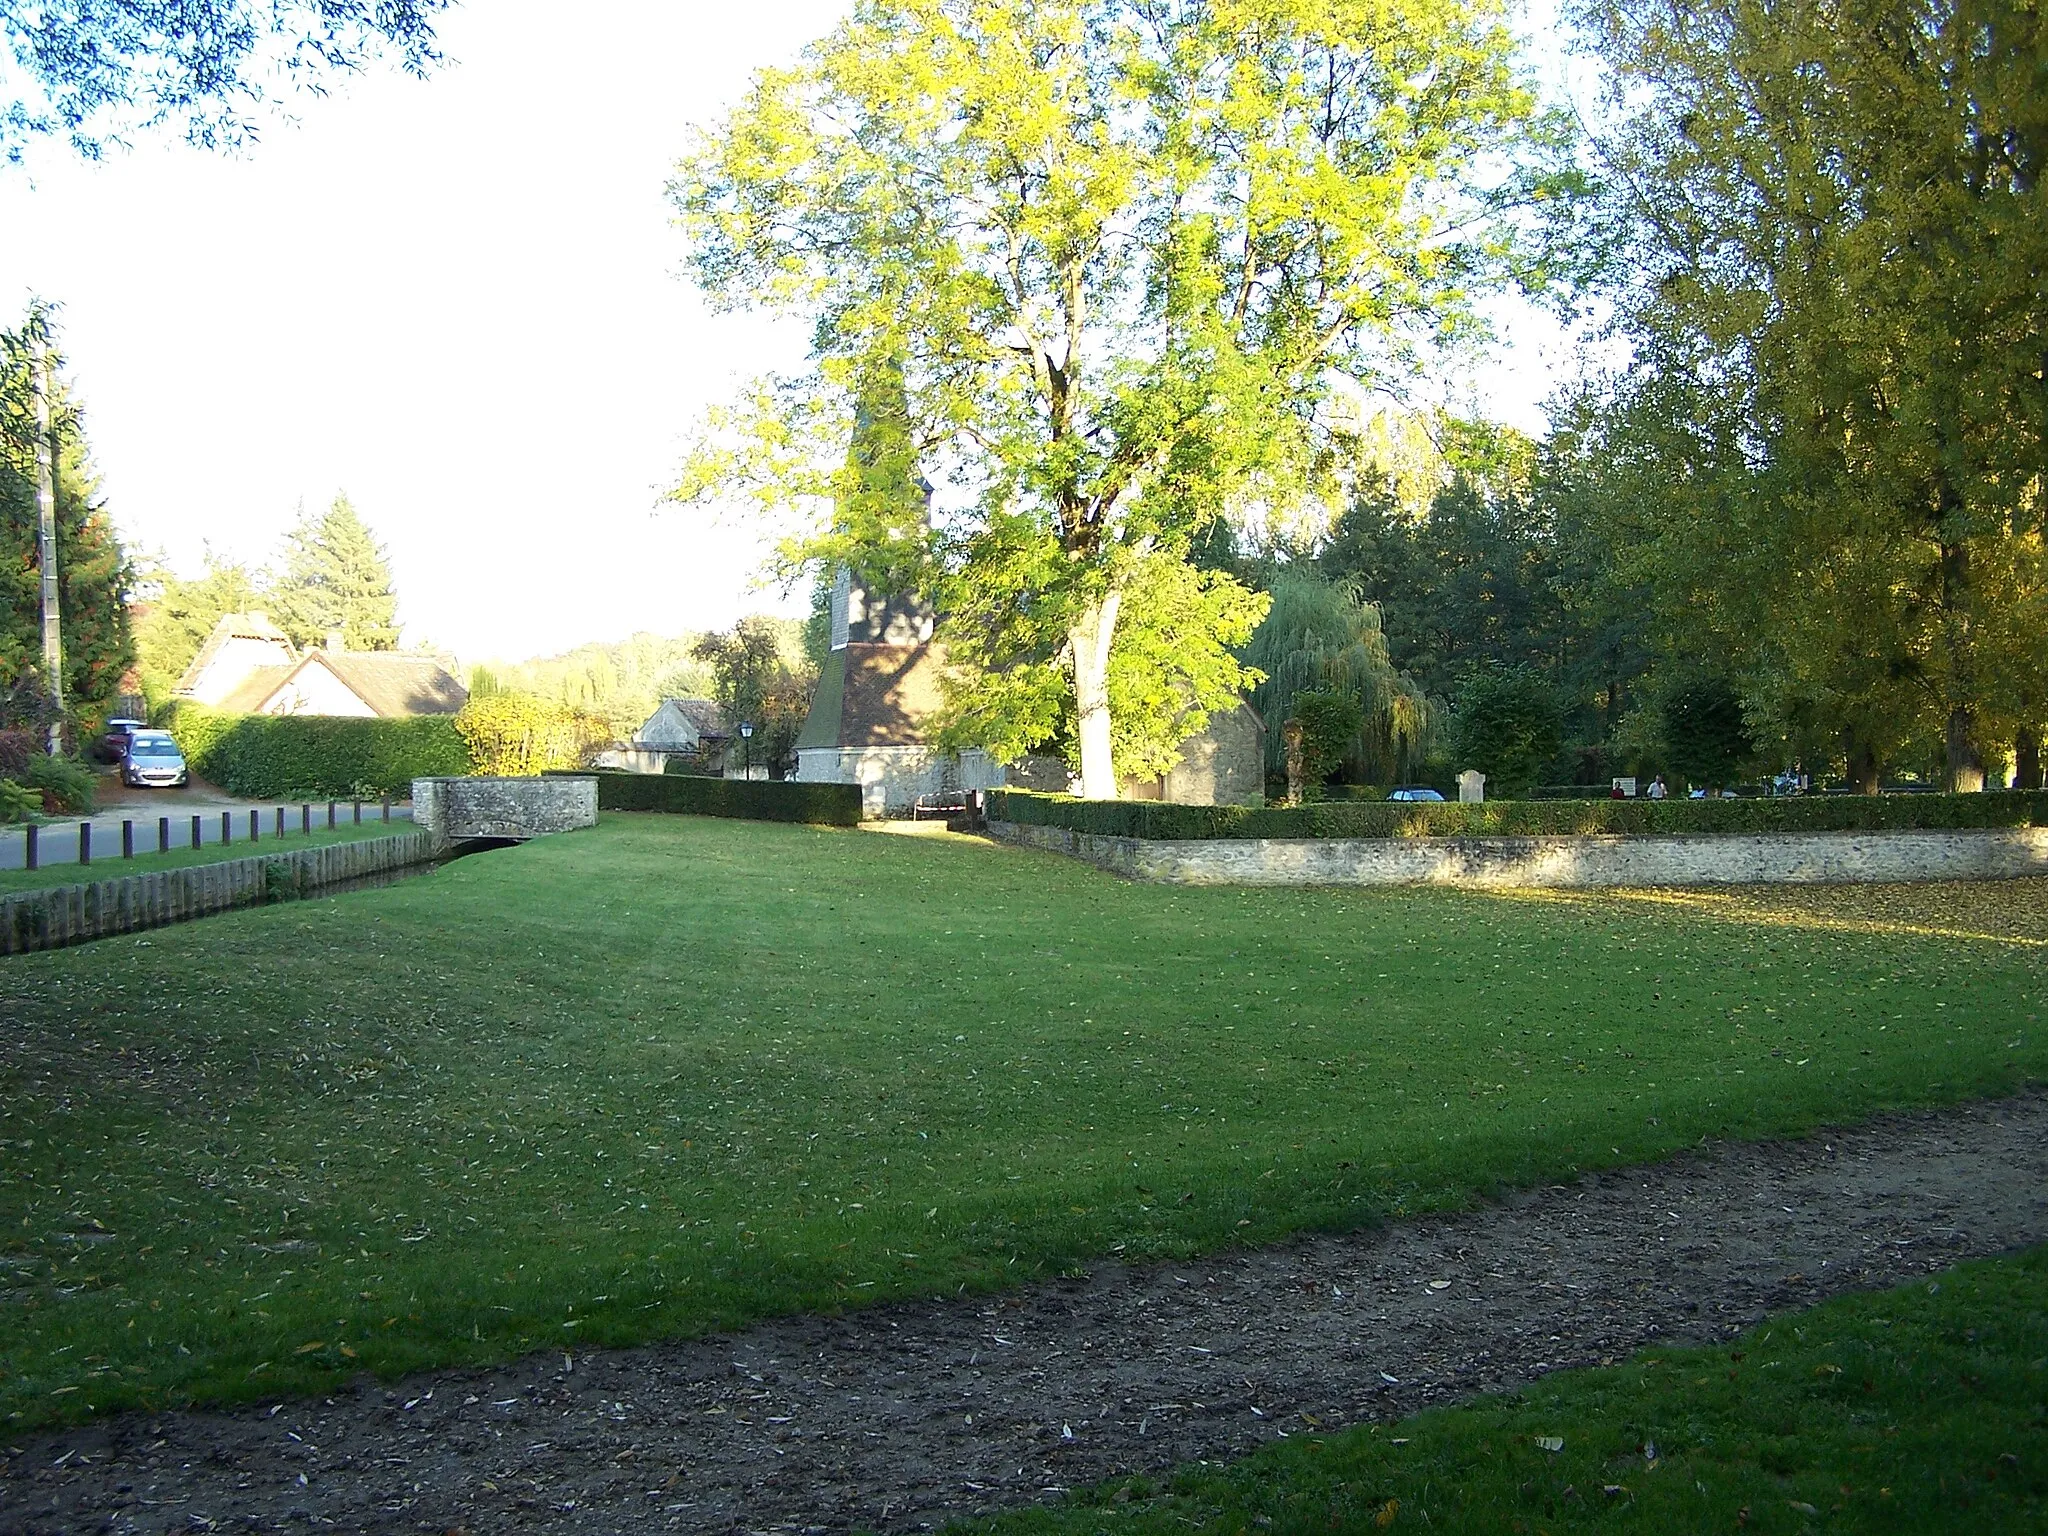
{"points": [[336, 579], [91, 70], [1835, 227], [1121, 252], [761, 679], [92, 568]]}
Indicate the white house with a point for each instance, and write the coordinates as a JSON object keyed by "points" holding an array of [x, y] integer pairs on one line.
{"points": [[248, 666]]}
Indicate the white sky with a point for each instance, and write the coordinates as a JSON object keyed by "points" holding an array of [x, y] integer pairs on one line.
{"points": [[458, 300]]}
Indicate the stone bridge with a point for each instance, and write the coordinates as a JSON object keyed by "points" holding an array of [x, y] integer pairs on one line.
{"points": [[502, 810]]}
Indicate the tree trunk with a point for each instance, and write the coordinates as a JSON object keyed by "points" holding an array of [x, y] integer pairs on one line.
{"points": [[1864, 770], [2026, 754], [1965, 762], [1090, 638]]}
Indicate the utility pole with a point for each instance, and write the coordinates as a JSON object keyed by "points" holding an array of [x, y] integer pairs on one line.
{"points": [[46, 520]]}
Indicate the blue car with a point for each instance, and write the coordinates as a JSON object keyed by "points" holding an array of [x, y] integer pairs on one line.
{"points": [[1413, 792], [153, 761]]}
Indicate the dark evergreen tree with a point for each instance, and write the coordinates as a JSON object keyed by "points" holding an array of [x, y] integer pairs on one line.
{"points": [[92, 569]]}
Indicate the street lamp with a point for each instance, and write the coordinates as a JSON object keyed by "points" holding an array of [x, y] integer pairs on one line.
{"points": [[747, 751]]}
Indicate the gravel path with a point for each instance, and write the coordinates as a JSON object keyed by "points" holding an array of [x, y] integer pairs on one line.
{"points": [[900, 1417]]}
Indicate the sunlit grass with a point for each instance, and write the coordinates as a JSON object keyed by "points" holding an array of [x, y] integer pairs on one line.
{"points": [[677, 1073], [1913, 1410]]}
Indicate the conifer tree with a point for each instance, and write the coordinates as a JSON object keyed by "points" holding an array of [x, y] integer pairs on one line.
{"points": [[336, 579]]}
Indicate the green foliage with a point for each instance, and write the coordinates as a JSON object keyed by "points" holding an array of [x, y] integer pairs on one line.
{"points": [[833, 805], [622, 683], [318, 757], [1831, 245], [1525, 818], [65, 783], [1320, 636], [18, 802], [760, 677], [1329, 725], [1032, 222], [169, 635], [1508, 726], [93, 74], [336, 578], [93, 573], [710, 997], [1705, 737], [515, 734], [1893, 1412]]}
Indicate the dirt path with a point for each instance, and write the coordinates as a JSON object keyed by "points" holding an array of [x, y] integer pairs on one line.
{"points": [[900, 1417]]}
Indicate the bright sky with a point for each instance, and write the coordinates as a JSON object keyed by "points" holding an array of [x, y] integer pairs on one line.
{"points": [[458, 300]]}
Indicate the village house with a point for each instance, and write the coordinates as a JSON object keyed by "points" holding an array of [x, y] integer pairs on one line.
{"points": [[248, 666]]}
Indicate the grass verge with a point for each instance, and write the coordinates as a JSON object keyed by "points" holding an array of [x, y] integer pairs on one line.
{"points": [[1923, 1409], [103, 867], [678, 1073]]}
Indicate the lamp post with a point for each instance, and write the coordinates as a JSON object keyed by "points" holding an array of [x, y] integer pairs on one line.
{"points": [[747, 749]]}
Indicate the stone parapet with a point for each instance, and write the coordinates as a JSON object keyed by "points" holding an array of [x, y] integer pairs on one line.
{"points": [[1815, 858], [457, 810]]}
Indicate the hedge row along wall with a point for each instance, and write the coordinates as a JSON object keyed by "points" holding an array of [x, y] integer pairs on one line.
{"points": [[315, 756], [1522, 818], [832, 805]]}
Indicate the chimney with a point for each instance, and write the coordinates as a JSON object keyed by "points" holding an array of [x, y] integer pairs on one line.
{"points": [[336, 640]]}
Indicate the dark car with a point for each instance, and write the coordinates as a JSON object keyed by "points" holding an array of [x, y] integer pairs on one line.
{"points": [[113, 744], [153, 761]]}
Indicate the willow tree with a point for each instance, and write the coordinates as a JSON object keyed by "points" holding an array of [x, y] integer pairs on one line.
{"points": [[1122, 252], [1321, 638]]}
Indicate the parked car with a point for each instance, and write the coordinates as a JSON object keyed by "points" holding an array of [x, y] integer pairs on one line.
{"points": [[113, 745], [1413, 792], [153, 761]]}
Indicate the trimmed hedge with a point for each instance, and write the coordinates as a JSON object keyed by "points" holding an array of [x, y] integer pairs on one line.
{"points": [[1524, 818], [315, 756], [831, 805]]}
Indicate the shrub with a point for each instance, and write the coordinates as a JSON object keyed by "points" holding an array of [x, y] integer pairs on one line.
{"points": [[65, 783], [17, 801], [315, 756], [17, 749], [516, 734], [1525, 818], [832, 805]]}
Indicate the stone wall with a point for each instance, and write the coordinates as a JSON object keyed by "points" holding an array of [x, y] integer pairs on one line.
{"points": [[891, 778], [98, 909], [1590, 861], [453, 810]]}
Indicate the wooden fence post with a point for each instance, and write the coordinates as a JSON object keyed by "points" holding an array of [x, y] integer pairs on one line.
{"points": [[85, 842], [28, 845], [163, 834], [127, 839]]}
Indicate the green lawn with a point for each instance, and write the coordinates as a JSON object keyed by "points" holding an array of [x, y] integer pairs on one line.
{"points": [[107, 863], [1921, 1409], [680, 1072]]}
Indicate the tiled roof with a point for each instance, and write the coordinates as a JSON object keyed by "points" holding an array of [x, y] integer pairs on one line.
{"points": [[703, 714], [395, 683], [233, 626], [876, 696], [248, 696]]}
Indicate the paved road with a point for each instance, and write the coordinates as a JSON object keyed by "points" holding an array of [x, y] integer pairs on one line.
{"points": [[57, 842]]}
